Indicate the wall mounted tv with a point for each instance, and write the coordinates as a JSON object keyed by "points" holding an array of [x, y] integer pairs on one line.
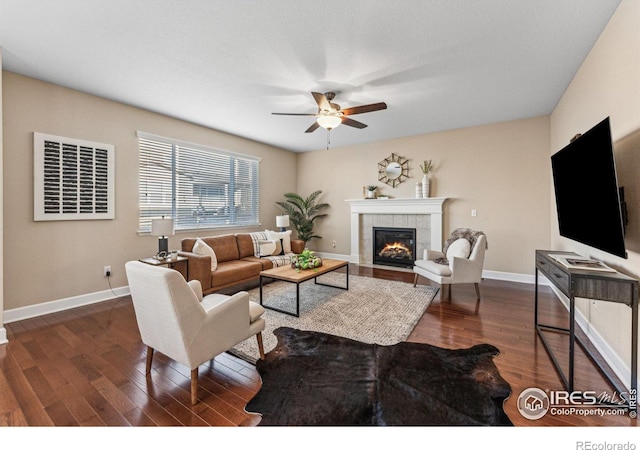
{"points": [[586, 191]]}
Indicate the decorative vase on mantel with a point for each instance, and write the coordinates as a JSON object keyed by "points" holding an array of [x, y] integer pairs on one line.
{"points": [[425, 186], [426, 167]]}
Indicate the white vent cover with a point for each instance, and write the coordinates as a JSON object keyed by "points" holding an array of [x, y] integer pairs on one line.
{"points": [[73, 179]]}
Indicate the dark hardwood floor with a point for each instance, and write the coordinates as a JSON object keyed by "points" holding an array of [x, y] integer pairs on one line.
{"points": [[86, 366]]}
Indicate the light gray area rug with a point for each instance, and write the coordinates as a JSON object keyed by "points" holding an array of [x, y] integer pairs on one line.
{"points": [[373, 311]]}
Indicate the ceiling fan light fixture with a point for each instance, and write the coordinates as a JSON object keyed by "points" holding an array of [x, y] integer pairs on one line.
{"points": [[331, 115], [329, 122]]}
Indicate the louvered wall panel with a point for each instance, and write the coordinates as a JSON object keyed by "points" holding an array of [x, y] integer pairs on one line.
{"points": [[73, 179]]}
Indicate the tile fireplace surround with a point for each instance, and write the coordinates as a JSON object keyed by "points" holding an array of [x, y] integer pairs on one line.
{"points": [[426, 214]]}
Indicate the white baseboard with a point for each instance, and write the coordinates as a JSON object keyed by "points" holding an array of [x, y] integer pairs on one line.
{"points": [[617, 364], [614, 361], [488, 274], [338, 256], [27, 312], [514, 277]]}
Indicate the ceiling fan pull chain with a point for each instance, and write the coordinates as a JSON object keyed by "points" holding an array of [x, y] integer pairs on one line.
{"points": [[328, 138]]}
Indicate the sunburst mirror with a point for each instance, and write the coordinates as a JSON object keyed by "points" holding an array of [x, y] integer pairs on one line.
{"points": [[393, 170]]}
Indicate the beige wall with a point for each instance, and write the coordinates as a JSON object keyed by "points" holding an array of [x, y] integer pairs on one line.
{"points": [[3, 332], [57, 260], [608, 84], [500, 170]]}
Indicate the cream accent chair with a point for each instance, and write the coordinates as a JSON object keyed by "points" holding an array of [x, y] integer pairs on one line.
{"points": [[465, 265], [175, 319]]}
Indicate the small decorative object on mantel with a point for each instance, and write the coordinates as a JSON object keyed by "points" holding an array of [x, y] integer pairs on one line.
{"points": [[371, 191], [426, 167], [305, 260], [418, 190]]}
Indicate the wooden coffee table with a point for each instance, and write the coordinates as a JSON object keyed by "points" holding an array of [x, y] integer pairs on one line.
{"points": [[290, 275]]}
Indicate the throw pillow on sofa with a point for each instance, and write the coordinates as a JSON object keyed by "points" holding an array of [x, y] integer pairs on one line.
{"points": [[256, 237], [201, 248], [285, 236], [270, 247]]}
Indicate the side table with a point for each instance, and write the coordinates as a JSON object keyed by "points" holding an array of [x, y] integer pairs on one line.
{"points": [[169, 262], [604, 286]]}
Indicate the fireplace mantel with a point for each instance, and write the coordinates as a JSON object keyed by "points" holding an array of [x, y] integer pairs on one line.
{"points": [[432, 207]]}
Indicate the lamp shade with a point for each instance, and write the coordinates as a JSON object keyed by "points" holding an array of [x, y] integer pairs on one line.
{"points": [[282, 221], [162, 227], [329, 122]]}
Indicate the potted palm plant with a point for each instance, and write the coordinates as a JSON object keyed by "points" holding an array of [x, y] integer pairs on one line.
{"points": [[303, 213]]}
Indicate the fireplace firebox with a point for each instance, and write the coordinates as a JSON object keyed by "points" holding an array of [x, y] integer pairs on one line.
{"points": [[394, 246]]}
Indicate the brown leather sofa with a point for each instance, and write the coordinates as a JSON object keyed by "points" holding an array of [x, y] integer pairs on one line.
{"points": [[237, 260]]}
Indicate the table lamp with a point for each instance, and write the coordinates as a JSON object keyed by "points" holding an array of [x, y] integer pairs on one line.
{"points": [[282, 222], [163, 228]]}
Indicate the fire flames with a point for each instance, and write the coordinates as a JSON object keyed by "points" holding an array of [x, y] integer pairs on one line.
{"points": [[395, 251]]}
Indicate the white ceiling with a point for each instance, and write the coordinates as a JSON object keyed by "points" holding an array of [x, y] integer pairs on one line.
{"points": [[438, 64]]}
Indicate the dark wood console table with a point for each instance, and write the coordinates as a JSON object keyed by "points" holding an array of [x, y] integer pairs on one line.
{"points": [[606, 286]]}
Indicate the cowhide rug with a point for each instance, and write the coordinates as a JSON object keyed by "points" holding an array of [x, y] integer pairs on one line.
{"points": [[313, 378]]}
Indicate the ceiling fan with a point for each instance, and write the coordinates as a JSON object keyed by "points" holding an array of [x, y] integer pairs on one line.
{"points": [[330, 115]]}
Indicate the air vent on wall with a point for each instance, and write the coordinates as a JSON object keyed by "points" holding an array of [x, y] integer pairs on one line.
{"points": [[73, 179]]}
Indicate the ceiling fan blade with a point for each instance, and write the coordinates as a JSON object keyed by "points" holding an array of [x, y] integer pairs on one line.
{"points": [[293, 114], [353, 123], [364, 109], [312, 128], [322, 101]]}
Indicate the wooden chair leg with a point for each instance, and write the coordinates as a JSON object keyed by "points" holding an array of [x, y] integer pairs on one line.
{"points": [[149, 359], [477, 290], [194, 386], [260, 346], [415, 280]]}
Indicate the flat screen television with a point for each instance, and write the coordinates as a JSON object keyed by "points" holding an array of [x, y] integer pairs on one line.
{"points": [[587, 194]]}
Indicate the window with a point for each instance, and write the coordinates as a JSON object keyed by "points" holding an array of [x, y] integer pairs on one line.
{"points": [[73, 179], [198, 187]]}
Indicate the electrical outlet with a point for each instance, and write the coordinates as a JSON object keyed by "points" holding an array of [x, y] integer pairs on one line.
{"points": [[107, 271], [474, 213], [333, 243]]}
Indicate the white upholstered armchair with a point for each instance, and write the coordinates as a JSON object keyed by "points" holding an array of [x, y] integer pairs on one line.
{"points": [[177, 321], [461, 261]]}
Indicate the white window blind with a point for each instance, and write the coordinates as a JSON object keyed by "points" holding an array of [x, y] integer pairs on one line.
{"points": [[198, 187]]}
